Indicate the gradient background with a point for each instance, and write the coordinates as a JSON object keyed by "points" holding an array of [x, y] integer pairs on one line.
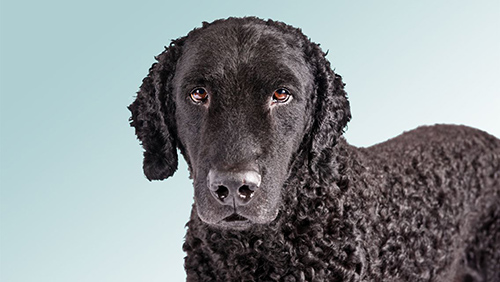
{"points": [[75, 205]]}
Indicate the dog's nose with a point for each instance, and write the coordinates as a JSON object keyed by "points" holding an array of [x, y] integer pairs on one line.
{"points": [[233, 188]]}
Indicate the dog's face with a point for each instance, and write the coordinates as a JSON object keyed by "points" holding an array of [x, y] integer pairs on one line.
{"points": [[242, 96], [239, 98]]}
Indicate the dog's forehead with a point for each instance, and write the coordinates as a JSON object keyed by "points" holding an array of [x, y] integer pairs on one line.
{"points": [[236, 51], [242, 41]]}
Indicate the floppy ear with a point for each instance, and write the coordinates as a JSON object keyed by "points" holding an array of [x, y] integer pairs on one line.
{"points": [[153, 115], [331, 115]]}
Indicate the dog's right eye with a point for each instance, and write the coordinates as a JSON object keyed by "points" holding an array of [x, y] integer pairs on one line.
{"points": [[199, 95], [281, 96]]}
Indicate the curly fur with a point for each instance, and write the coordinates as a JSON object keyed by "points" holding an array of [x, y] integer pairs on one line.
{"points": [[424, 206]]}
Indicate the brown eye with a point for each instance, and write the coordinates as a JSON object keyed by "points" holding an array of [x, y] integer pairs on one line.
{"points": [[281, 95], [199, 95]]}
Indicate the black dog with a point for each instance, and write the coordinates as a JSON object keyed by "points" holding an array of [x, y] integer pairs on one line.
{"points": [[258, 114]]}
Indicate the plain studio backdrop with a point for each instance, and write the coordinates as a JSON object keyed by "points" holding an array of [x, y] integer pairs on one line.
{"points": [[75, 205]]}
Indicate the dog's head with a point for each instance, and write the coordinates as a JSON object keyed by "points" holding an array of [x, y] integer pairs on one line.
{"points": [[244, 100]]}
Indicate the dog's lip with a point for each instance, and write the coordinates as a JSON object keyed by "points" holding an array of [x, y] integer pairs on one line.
{"points": [[235, 221], [235, 218]]}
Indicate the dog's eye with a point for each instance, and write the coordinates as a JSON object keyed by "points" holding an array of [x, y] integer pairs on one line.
{"points": [[199, 95], [281, 95]]}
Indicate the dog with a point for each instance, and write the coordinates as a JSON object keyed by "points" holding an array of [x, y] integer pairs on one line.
{"points": [[279, 195]]}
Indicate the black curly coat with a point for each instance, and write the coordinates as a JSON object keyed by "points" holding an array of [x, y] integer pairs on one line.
{"points": [[255, 100]]}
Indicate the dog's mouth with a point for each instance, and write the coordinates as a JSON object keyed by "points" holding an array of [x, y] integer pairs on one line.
{"points": [[236, 222], [235, 218]]}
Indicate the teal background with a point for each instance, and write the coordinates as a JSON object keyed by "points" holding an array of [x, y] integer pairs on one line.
{"points": [[75, 205]]}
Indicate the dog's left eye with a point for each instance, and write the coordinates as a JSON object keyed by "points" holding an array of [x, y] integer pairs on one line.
{"points": [[199, 95], [281, 95]]}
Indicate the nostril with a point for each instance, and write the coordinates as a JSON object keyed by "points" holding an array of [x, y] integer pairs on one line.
{"points": [[245, 192], [222, 192]]}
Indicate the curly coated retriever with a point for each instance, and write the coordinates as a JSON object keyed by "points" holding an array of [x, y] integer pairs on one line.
{"points": [[257, 112]]}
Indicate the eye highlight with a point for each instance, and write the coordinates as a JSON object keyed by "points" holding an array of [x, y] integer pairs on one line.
{"points": [[281, 95], [199, 95]]}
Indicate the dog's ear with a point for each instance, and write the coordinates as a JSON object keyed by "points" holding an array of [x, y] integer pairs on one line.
{"points": [[153, 115], [331, 115]]}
